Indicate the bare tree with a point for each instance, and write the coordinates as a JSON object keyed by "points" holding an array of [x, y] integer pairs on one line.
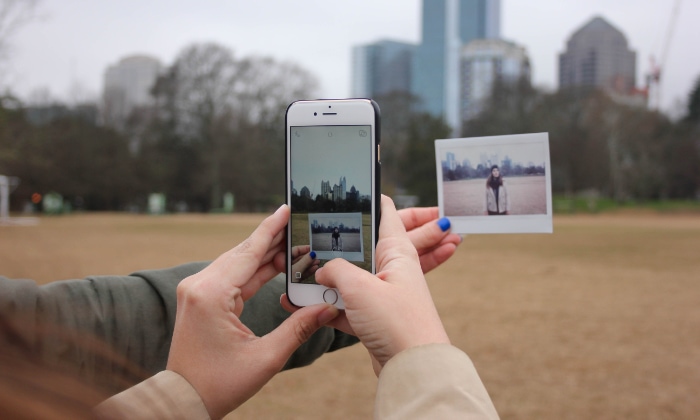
{"points": [[269, 86], [231, 110]]}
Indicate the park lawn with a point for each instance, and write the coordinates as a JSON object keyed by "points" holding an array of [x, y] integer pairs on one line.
{"points": [[598, 320]]}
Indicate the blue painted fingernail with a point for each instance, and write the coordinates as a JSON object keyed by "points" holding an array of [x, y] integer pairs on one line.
{"points": [[444, 224], [313, 254]]}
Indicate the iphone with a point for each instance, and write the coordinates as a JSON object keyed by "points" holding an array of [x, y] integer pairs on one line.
{"points": [[333, 190]]}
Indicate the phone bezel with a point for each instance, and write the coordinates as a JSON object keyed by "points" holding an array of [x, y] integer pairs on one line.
{"points": [[330, 112]]}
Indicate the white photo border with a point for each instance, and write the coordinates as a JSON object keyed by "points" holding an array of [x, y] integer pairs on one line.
{"points": [[537, 223]]}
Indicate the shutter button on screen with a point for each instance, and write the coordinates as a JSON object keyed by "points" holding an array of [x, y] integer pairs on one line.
{"points": [[330, 296]]}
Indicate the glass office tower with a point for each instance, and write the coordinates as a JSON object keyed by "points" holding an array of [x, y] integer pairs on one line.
{"points": [[381, 67], [447, 25]]}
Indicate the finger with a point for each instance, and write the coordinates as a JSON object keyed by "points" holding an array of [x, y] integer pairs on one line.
{"points": [[312, 270], [340, 323], [272, 253], [280, 262], [417, 216], [304, 262], [376, 366], [437, 256], [345, 276], [298, 328], [287, 305], [300, 250], [240, 263], [394, 246], [430, 234], [391, 223], [264, 274]]}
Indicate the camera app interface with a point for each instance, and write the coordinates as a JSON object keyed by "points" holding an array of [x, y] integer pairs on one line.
{"points": [[331, 197]]}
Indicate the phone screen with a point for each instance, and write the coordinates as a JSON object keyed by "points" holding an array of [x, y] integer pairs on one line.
{"points": [[331, 176]]}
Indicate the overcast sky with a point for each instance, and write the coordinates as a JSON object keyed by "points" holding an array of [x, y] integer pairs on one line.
{"points": [[327, 154], [68, 49]]}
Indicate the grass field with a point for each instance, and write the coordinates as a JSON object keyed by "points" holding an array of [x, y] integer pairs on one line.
{"points": [[600, 320]]}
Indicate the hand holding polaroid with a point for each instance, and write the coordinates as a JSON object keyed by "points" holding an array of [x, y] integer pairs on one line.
{"points": [[499, 184]]}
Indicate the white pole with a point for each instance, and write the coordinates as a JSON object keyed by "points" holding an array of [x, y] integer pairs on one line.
{"points": [[4, 197]]}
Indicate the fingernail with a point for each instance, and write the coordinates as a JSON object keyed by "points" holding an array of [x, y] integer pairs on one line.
{"points": [[328, 314], [312, 254], [444, 224]]}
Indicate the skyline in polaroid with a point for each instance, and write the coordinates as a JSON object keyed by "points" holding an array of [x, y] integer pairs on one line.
{"points": [[495, 184]]}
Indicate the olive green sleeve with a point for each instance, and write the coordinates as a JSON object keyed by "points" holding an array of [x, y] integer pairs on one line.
{"points": [[115, 331]]}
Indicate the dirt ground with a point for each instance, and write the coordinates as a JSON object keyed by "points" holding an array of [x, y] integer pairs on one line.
{"points": [[350, 242], [527, 195], [599, 320]]}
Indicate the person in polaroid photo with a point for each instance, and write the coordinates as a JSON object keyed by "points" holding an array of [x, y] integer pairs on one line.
{"points": [[496, 202], [336, 240]]}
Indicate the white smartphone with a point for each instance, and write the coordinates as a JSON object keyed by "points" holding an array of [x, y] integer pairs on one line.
{"points": [[333, 190]]}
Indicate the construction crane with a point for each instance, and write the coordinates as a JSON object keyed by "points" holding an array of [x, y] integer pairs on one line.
{"points": [[654, 77]]}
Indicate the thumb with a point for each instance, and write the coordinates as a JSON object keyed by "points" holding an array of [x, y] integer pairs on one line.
{"points": [[299, 327]]}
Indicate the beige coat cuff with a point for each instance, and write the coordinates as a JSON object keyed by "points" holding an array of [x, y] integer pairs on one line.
{"points": [[432, 381], [165, 395]]}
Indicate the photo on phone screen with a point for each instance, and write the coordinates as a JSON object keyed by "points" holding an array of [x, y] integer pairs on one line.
{"points": [[331, 197]]}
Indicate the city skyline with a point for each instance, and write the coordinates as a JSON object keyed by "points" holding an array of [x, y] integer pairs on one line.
{"points": [[522, 154], [313, 192], [87, 37]]}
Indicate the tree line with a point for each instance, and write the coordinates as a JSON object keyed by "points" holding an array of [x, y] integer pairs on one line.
{"points": [[598, 144], [216, 125]]}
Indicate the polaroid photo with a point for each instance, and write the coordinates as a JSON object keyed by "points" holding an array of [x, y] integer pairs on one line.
{"points": [[337, 235], [499, 184]]}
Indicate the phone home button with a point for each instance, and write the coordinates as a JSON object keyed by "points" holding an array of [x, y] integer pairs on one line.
{"points": [[330, 296]]}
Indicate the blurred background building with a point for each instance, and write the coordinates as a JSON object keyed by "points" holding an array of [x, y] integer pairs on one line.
{"points": [[127, 85], [381, 67], [597, 55], [430, 70], [483, 63], [446, 26]]}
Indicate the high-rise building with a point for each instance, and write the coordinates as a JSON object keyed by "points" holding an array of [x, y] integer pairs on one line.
{"points": [[343, 187], [483, 63], [451, 162], [446, 26], [326, 190], [598, 55], [381, 67], [127, 85]]}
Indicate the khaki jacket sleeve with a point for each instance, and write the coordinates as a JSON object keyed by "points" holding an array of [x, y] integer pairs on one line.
{"points": [[166, 395], [436, 381]]}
